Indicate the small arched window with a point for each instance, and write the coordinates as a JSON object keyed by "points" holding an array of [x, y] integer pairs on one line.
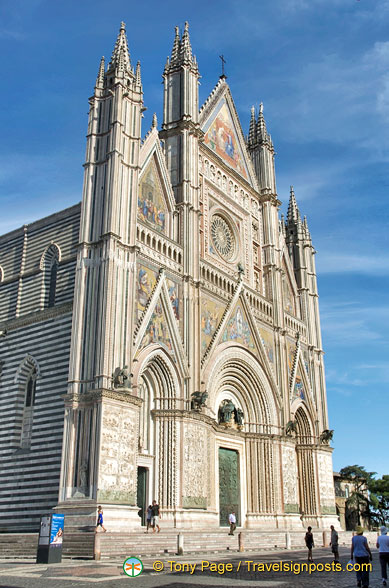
{"points": [[347, 491], [49, 264], [26, 379]]}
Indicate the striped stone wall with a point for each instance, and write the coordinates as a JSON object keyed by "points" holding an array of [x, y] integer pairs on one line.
{"points": [[35, 337]]}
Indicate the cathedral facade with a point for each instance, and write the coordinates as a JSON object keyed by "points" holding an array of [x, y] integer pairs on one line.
{"points": [[162, 340]]}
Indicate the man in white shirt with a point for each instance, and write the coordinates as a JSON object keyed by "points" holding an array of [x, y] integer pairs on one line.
{"points": [[232, 521], [383, 546]]}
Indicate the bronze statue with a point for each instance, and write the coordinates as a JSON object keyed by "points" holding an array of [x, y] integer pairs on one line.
{"points": [[326, 436], [120, 376], [291, 427], [198, 400], [226, 411], [239, 416]]}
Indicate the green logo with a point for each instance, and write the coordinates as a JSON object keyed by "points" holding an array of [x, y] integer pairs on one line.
{"points": [[132, 567]]}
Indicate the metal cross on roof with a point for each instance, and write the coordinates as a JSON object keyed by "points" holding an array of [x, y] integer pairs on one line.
{"points": [[223, 62]]}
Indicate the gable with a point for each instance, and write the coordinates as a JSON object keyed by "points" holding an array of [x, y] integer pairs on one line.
{"points": [[223, 138], [157, 330], [238, 329], [152, 204]]}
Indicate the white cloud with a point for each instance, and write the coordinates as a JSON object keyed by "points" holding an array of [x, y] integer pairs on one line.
{"points": [[340, 263]]}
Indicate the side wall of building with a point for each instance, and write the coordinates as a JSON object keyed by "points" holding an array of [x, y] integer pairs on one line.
{"points": [[34, 345]]}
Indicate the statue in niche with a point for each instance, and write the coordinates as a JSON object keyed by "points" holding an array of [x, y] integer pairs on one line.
{"points": [[120, 377], [83, 475], [326, 436], [226, 412], [291, 428], [198, 400]]}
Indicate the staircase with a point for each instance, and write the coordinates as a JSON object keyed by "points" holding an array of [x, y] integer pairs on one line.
{"points": [[111, 545]]}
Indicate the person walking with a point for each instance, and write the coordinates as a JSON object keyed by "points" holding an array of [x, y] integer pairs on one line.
{"points": [[155, 516], [334, 544], [149, 515], [232, 521], [309, 542], [100, 519], [383, 547], [361, 553]]}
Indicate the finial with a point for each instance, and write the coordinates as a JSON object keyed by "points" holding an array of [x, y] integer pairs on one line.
{"points": [[223, 75], [261, 108], [186, 25], [123, 26], [154, 124], [137, 74]]}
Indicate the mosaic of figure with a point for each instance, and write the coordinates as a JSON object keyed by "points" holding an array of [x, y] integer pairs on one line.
{"points": [[174, 297], [151, 202], [298, 388], [238, 329], [288, 296], [221, 138], [157, 331], [267, 340], [211, 313], [146, 279], [291, 352]]}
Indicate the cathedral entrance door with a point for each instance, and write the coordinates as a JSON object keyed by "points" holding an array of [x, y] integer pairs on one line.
{"points": [[142, 494], [229, 485]]}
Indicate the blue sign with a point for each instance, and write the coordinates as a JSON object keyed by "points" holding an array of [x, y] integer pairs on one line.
{"points": [[57, 524]]}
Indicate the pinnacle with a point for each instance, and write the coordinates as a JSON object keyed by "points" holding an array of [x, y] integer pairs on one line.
{"points": [[120, 58], [154, 124], [137, 74], [181, 50], [186, 49], [100, 75], [293, 214], [251, 138]]}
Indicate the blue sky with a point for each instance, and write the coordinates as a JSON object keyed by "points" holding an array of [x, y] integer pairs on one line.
{"points": [[321, 68]]}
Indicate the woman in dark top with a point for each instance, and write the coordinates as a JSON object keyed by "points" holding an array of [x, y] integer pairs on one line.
{"points": [[309, 542]]}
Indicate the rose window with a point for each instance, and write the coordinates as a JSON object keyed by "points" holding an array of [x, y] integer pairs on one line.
{"points": [[222, 237]]}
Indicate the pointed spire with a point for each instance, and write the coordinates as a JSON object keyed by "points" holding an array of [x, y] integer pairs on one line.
{"points": [[120, 58], [138, 79], [176, 46], [154, 124], [186, 49], [100, 75], [251, 139], [261, 126], [293, 214]]}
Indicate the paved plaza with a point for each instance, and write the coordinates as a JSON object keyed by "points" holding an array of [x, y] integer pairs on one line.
{"points": [[21, 574]]}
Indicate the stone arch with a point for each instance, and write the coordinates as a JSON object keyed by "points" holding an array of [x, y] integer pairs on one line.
{"points": [[238, 372], [158, 384]]}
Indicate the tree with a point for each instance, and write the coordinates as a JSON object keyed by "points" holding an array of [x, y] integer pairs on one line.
{"points": [[358, 501], [379, 500]]}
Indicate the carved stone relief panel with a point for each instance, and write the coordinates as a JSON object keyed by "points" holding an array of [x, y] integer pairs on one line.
{"points": [[195, 480], [289, 472], [326, 481], [117, 474]]}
